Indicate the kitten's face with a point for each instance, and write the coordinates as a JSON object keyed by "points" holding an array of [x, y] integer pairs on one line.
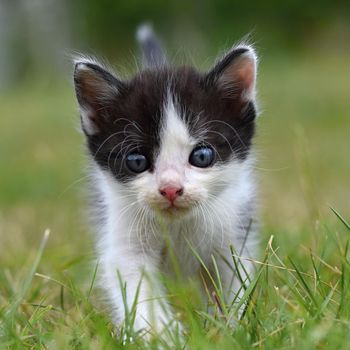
{"points": [[174, 138]]}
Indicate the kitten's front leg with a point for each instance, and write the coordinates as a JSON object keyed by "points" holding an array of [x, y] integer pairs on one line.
{"points": [[130, 279]]}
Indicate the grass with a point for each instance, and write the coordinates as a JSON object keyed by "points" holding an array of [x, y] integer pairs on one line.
{"points": [[300, 296]]}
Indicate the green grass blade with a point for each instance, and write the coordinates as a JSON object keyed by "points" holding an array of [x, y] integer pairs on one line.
{"points": [[200, 260], [28, 281], [325, 303], [346, 224], [249, 289], [304, 283], [93, 280]]}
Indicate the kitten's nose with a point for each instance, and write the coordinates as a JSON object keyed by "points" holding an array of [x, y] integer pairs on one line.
{"points": [[171, 193]]}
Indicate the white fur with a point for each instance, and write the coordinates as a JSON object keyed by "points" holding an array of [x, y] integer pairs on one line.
{"points": [[132, 239]]}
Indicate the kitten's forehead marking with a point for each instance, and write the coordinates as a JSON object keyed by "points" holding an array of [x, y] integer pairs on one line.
{"points": [[176, 142]]}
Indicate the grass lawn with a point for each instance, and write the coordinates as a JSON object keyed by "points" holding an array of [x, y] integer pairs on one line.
{"points": [[300, 298]]}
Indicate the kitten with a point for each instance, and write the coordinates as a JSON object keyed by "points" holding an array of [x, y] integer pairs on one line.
{"points": [[171, 162]]}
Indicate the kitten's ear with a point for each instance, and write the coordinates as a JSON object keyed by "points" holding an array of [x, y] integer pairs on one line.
{"points": [[95, 88], [235, 73]]}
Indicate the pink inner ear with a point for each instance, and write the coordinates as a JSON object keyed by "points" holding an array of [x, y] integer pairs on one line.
{"points": [[241, 74], [245, 74]]}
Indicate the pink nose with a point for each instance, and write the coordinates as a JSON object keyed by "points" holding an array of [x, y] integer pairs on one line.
{"points": [[171, 193]]}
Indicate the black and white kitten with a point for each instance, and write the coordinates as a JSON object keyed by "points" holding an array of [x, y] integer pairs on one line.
{"points": [[171, 162]]}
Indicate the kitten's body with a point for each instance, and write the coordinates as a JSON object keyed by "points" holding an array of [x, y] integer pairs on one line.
{"points": [[191, 134]]}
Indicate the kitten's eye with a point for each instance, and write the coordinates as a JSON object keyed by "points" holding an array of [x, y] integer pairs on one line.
{"points": [[137, 163], [202, 157]]}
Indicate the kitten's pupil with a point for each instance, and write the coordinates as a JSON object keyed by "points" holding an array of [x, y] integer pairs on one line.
{"points": [[202, 157], [137, 163]]}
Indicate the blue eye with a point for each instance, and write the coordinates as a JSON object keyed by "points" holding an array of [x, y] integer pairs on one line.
{"points": [[202, 157], [137, 163]]}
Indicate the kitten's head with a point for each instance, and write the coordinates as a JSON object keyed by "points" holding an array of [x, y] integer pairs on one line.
{"points": [[172, 138]]}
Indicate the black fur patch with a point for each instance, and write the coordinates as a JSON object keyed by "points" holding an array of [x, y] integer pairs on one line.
{"points": [[131, 120]]}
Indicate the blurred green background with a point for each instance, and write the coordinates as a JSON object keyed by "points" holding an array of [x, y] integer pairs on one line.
{"points": [[304, 92]]}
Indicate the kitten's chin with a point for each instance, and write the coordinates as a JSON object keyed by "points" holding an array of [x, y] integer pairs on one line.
{"points": [[172, 212]]}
